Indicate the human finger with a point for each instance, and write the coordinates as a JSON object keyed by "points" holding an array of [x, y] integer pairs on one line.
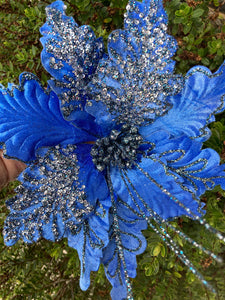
{"points": [[9, 169]]}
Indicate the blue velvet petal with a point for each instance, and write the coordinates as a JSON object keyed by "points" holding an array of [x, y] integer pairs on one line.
{"points": [[175, 173], [126, 241], [152, 188], [193, 108], [196, 169], [89, 242], [102, 117], [70, 54], [96, 187], [31, 118]]}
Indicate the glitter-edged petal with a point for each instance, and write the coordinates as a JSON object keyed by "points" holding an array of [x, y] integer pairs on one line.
{"points": [[91, 238], [126, 241], [193, 168], [145, 20], [193, 109], [61, 197], [70, 54], [31, 118], [157, 192]]}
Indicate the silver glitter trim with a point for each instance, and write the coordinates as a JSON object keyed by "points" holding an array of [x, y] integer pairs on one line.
{"points": [[51, 193]]}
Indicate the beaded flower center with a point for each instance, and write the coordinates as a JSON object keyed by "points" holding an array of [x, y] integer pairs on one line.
{"points": [[119, 149]]}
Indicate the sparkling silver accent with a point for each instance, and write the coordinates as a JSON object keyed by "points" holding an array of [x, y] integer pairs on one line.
{"points": [[135, 81], [51, 190], [75, 48]]}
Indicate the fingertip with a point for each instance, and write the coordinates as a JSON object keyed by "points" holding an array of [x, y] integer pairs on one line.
{"points": [[9, 169], [14, 168]]}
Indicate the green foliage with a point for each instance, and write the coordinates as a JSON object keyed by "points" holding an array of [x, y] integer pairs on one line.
{"points": [[19, 34], [200, 32], [217, 138], [51, 270], [104, 16]]}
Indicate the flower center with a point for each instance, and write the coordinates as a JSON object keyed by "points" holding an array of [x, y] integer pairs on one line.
{"points": [[119, 149]]}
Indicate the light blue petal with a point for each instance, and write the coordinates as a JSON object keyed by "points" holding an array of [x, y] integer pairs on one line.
{"points": [[70, 54], [31, 118], [194, 108], [172, 177]]}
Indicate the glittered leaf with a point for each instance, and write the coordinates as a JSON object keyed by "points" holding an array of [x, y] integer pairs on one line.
{"points": [[53, 201], [138, 75], [70, 54]]}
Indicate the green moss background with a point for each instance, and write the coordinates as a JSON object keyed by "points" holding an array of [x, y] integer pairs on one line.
{"points": [[51, 270]]}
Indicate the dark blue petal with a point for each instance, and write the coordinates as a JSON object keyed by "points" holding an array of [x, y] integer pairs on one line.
{"points": [[194, 108], [70, 54], [96, 187], [31, 118], [86, 122]]}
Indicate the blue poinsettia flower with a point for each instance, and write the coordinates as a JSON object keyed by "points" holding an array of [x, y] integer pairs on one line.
{"points": [[114, 144]]}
